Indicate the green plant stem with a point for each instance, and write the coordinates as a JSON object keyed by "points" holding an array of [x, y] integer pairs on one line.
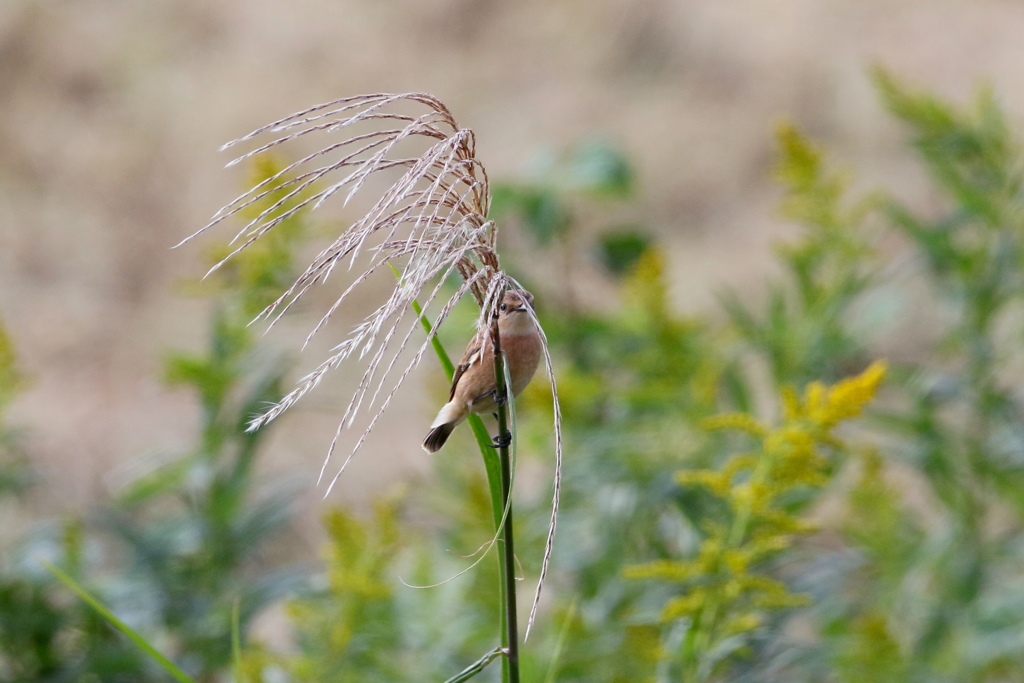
{"points": [[498, 469], [476, 667], [236, 644], [510, 632]]}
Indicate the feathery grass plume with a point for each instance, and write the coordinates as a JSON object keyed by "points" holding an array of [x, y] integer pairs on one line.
{"points": [[430, 223]]}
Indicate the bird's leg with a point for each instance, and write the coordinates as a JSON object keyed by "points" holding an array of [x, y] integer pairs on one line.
{"points": [[499, 401], [505, 439]]}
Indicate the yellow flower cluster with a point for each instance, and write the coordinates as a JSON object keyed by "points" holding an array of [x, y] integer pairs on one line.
{"points": [[646, 285], [723, 596], [357, 557], [827, 407]]}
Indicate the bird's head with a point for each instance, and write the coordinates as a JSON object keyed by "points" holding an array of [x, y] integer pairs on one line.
{"points": [[515, 312]]}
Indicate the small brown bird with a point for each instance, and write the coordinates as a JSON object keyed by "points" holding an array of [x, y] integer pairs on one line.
{"points": [[473, 386]]}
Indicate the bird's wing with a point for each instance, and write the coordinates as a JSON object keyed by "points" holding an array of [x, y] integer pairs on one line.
{"points": [[472, 355]]}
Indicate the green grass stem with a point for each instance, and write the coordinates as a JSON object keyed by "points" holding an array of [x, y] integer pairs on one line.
{"points": [[563, 636], [476, 667], [499, 469], [236, 644], [124, 628]]}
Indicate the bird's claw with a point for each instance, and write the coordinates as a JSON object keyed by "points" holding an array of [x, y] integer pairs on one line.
{"points": [[499, 401], [503, 440]]}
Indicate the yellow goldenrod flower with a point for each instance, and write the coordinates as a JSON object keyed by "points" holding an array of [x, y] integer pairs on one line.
{"points": [[723, 593]]}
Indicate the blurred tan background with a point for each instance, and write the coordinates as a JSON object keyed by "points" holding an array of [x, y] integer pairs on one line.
{"points": [[111, 113]]}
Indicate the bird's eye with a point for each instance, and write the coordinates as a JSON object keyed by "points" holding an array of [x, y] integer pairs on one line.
{"points": [[504, 306]]}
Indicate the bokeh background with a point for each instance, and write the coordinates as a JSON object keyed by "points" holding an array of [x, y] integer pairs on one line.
{"points": [[112, 112]]}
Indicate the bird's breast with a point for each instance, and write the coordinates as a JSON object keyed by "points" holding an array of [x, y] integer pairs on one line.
{"points": [[523, 352]]}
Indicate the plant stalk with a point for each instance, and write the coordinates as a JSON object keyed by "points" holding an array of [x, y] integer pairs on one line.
{"points": [[498, 471], [510, 627]]}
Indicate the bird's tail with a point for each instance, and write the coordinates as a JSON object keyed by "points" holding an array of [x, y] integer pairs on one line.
{"points": [[450, 416], [437, 436]]}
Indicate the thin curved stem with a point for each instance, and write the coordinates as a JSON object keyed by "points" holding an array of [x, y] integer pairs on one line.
{"points": [[510, 630]]}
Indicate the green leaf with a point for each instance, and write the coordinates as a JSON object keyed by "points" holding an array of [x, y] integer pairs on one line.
{"points": [[599, 167], [476, 667], [161, 481], [620, 250], [104, 612]]}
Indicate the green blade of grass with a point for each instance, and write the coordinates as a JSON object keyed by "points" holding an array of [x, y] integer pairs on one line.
{"points": [[563, 636], [476, 667], [442, 355], [236, 644], [495, 484], [492, 465], [124, 628]]}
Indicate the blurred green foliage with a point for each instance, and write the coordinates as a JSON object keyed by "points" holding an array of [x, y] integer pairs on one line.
{"points": [[725, 517], [194, 529], [175, 550], [593, 171], [11, 380], [553, 204], [762, 488], [15, 474], [367, 624], [958, 426], [804, 332]]}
